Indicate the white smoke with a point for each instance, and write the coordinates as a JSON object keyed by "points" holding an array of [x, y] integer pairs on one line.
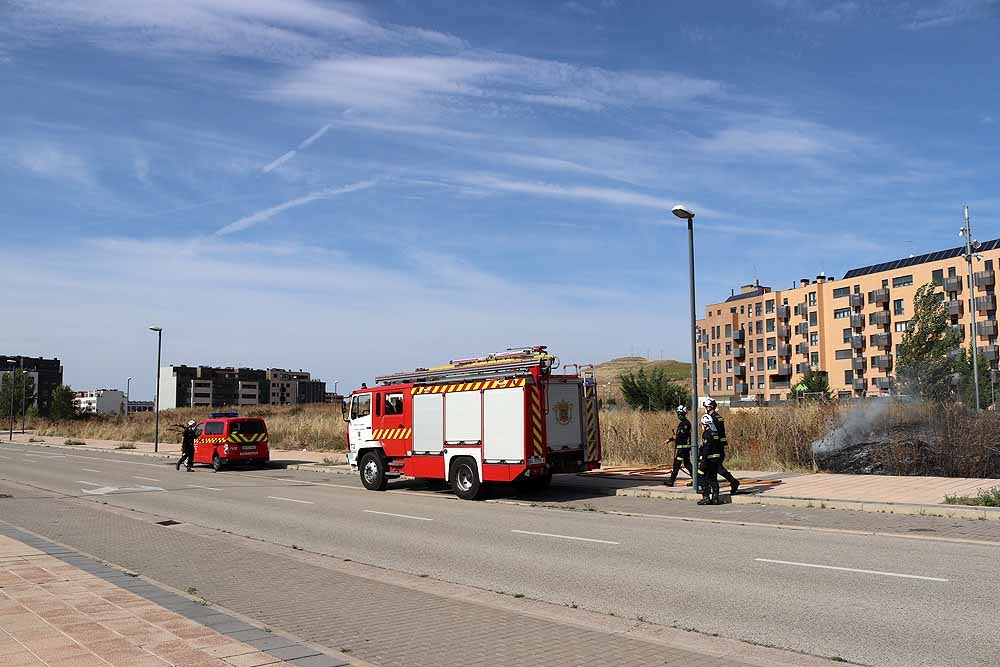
{"points": [[854, 428]]}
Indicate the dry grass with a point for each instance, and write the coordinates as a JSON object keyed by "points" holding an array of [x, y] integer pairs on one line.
{"points": [[316, 427]]}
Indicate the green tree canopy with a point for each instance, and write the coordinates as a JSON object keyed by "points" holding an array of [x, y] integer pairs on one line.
{"points": [[23, 387], [814, 382], [966, 385], [62, 403], [925, 359], [653, 390]]}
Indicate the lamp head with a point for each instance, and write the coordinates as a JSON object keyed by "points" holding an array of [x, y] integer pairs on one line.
{"points": [[157, 329], [683, 212]]}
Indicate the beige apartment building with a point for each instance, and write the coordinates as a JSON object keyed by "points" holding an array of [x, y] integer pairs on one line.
{"points": [[756, 344]]}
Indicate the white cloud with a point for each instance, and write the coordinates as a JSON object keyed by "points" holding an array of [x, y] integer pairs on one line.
{"points": [[944, 13], [577, 8], [48, 160], [610, 196], [781, 138], [249, 221]]}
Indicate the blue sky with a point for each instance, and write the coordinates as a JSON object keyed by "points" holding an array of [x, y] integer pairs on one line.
{"points": [[356, 188]]}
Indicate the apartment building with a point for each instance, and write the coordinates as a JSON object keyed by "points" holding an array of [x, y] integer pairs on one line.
{"points": [[46, 373], [99, 402], [755, 345], [208, 386]]}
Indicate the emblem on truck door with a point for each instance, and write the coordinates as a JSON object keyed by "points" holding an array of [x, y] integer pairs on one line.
{"points": [[564, 412]]}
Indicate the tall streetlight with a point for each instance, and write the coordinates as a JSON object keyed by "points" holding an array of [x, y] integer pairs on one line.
{"points": [[12, 363], [128, 387], [970, 246], [159, 349], [686, 214]]}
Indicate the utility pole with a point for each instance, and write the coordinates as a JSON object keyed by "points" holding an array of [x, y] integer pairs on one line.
{"points": [[971, 245], [684, 213], [11, 363], [24, 395], [159, 348]]}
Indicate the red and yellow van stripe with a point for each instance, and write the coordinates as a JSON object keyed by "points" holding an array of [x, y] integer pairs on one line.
{"points": [[392, 433], [468, 386], [253, 437]]}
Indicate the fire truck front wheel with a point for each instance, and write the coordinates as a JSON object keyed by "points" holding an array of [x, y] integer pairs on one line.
{"points": [[373, 471], [465, 480]]}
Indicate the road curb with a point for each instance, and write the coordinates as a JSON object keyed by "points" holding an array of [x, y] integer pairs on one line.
{"points": [[916, 509]]}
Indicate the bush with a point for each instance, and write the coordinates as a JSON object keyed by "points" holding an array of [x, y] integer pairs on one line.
{"points": [[652, 391]]}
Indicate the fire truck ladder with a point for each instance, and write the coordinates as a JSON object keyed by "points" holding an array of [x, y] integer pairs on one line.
{"points": [[510, 363]]}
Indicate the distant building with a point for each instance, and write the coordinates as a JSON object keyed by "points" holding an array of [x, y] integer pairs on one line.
{"points": [[47, 374], [99, 402], [140, 406], [207, 386]]}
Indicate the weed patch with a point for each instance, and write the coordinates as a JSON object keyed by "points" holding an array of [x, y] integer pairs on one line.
{"points": [[985, 498]]}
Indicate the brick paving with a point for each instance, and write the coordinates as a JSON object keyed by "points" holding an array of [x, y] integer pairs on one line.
{"points": [[380, 623], [57, 614]]}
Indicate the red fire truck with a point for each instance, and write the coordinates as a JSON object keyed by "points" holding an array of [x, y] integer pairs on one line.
{"points": [[505, 417]]}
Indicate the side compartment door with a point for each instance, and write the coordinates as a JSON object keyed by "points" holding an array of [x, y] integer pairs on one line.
{"points": [[428, 423], [360, 429], [503, 425]]}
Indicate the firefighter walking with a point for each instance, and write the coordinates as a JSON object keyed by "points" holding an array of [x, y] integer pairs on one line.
{"points": [[682, 445], [719, 426], [187, 445], [708, 462]]}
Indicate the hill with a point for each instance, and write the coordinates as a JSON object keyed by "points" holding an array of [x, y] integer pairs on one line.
{"points": [[607, 374]]}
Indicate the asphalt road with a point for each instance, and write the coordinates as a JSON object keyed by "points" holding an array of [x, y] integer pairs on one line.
{"points": [[867, 599]]}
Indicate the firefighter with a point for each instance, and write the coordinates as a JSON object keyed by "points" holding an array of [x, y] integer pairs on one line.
{"points": [[682, 445], [187, 445], [712, 409], [708, 462]]}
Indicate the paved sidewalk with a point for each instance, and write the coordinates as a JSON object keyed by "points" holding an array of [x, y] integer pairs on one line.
{"points": [[60, 609]]}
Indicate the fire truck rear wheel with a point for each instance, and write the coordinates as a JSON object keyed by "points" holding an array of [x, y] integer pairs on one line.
{"points": [[465, 480], [373, 472]]}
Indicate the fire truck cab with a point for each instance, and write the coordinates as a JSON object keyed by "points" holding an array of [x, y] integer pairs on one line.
{"points": [[506, 417]]}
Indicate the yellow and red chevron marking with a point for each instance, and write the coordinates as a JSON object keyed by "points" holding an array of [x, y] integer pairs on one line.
{"points": [[211, 440], [253, 437], [593, 437], [391, 433], [536, 413], [468, 386]]}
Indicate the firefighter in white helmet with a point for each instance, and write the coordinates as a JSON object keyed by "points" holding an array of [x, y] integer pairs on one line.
{"points": [[712, 409], [708, 462], [187, 445], [682, 444]]}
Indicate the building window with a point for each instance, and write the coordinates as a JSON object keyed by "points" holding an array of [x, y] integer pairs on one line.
{"points": [[772, 363], [812, 299], [751, 383], [813, 319], [769, 306], [729, 349], [898, 307], [814, 339], [814, 358], [841, 292], [772, 344], [841, 313], [847, 335], [760, 381], [760, 363], [848, 376], [760, 344], [729, 365], [760, 328], [902, 326], [729, 384], [759, 309], [770, 325], [729, 331], [843, 354], [742, 311], [937, 276]]}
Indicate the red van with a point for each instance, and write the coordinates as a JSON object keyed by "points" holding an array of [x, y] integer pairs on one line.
{"points": [[226, 438]]}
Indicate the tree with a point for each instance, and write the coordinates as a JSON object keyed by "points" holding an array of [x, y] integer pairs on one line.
{"points": [[816, 383], [62, 403], [653, 391], [23, 386], [966, 384], [924, 363]]}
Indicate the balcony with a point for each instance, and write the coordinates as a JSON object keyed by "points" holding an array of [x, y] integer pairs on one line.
{"points": [[880, 318], [882, 340], [990, 352], [952, 284], [784, 331], [784, 350], [802, 348], [882, 361], [804, 310], [784, 312], [740, 353], [960, 329], [985, 304], [860, 384], [984, 278], [987, 329], [782, 370], [739, 336], [802, 328], [857, 301], [803, 368], [859, 364], [741, 388], [783, 384], [955, 308], [858, 342], [857, 321], [740, 370], [885, 384], [880, 296]]}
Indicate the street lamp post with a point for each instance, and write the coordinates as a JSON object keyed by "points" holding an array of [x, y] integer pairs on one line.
{"points": [[970, 246], [24, 396], [128, 387], [156, 407], [684, 213], [12, 363]]}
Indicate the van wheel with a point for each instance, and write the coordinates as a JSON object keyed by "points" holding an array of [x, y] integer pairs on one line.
{"points": [[373, 472], [465, 480], [216, 462], [260, 463]]}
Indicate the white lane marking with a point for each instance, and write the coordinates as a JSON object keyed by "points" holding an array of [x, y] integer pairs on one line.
{"points": [[80, 481], [292, 500], [564, 537], [401, 516], [198, 486], [849, 569], [89, 470], [6, 458], [104, 490], [148, 479]]}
